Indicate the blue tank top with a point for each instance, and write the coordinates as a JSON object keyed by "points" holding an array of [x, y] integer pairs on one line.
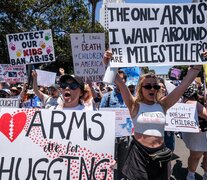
{"points": [[150, 120]]}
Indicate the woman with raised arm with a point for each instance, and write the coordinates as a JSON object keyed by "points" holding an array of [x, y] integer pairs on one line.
{"points": [[148, 156]]}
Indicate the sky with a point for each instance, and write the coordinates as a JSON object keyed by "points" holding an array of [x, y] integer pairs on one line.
{"points": [[158, 70]]}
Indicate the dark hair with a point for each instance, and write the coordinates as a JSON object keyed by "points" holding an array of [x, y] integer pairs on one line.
{"points": [[191, 91], [122, 72]]}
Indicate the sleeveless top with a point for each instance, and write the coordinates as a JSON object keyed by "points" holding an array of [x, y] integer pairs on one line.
{"points": [[150, 120]]}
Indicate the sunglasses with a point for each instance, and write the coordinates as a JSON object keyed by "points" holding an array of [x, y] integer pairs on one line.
{"points": [[149, 86], [72, 86]]}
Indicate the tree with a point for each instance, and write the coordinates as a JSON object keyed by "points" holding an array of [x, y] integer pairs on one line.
{"points": [[63, 17]]}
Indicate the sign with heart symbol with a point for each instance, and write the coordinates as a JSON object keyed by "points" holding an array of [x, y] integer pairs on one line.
{"points": [[75, 144], [12, 125]]}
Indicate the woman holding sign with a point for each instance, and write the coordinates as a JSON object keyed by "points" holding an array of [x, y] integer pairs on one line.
{"points": [[148, 156], [196, 142]]}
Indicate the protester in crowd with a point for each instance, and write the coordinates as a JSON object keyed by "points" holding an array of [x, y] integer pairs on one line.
{"points": [[72, 88], [113, 99], [88, 100], [169, 137], [15, 92], [49, 101], [98, 90], [195, 142], [148, 117], [4, 85], [132, 88], [5, 93], [43, 89]]}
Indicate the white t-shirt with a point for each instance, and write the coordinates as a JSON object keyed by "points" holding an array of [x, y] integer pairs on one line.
{"points": [[78, 107]]}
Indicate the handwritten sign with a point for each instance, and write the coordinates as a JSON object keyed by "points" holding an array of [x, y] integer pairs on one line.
{"points": [[88, 50], [31, 47], [157, 34], [12, 73], [44, 144], [123, 124], [45, 78], [182, 118], [9, 102]]}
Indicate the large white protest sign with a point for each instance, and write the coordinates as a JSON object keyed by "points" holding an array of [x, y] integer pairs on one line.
{"points": [[12, 73], [44, 144], [157, 34], [88, 50], [182, 117], [45, 78], [123, 124], [9, 102], [31, 47]]}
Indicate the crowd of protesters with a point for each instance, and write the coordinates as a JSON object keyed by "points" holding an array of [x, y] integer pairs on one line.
{"points": [[71, 93]]}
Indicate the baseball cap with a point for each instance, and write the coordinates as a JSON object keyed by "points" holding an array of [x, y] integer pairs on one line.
{"points": [[77, 79]]}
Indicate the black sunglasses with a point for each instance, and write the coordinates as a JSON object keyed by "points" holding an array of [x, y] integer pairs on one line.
{"points": [[149, 86], [72, 86]]}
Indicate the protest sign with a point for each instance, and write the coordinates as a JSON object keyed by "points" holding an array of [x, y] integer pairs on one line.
{"points": [[13, 73], [157, 34], [123, 122], [45, 78], [182, 117], [46, 144], [31, 47], [88, 50], [9, 102]]}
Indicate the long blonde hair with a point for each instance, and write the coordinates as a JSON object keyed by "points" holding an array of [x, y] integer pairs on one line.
{"points": [[139, 96]]}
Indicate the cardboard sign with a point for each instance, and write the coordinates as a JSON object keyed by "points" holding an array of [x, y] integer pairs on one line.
{"points": [[31, 47], [9, 102], [44, 144], [123, 124], [182, 117], [157, 34], [88, 50], [13, 73], [45, 78]]}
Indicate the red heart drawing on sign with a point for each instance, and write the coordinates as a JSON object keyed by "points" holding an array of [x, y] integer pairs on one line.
{"points": [[10, 126]]}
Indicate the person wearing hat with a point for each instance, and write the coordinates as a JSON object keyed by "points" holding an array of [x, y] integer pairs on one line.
{"points": [[72, 89], [195, 142], [14, 92], [49, 101], [5, 93]]}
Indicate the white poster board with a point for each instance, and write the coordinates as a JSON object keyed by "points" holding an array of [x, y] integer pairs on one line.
{"points": [[123, 124], [157, 34], [13, 73], [60, 145], [9, 102], [182, 117], [31, 47], [45, 78], [88, 50]]}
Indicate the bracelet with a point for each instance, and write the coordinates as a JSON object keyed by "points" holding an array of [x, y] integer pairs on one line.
{"points": [[196, 68]]}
